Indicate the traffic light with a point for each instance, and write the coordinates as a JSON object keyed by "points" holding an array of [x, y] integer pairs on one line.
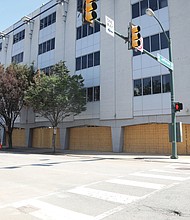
{"points": [[134, 36], [178, 106], [89, 13]]}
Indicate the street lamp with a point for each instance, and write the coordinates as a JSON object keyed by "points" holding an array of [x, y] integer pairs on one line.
{"points": [[151, 13]]}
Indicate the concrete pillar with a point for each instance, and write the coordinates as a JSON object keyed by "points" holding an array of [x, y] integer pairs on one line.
{"points": [[64, 138], [117, 139], [28, 133]]}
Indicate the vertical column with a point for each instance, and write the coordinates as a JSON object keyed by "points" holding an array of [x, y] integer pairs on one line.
{"points": [[64, 138], [28, 134], [117, 139]]}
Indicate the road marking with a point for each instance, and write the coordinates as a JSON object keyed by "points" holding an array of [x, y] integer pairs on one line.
{"points": [[159, 176], [137, 183], [48, 211], [110, 212], [168, 171], [104, 195]]}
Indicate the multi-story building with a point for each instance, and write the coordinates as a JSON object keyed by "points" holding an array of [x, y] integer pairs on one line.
{"points": [[128, 93]]}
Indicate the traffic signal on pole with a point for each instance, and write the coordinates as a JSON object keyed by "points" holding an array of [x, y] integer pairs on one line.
{"points": [[134, 36], [89, 11], [178, 106]]}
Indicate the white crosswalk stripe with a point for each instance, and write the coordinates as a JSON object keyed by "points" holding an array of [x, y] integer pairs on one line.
{"points": [[159, 176], [170, 171], [137, 183], [47, 211], [105, 195]]}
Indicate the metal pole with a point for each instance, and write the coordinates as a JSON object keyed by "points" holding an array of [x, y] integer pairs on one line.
{"points": [[173, 113]]}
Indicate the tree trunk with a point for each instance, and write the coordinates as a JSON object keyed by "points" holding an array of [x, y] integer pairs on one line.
{"points": [[10, 143], [54, 138]]}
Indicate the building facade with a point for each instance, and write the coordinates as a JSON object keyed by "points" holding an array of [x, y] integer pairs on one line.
{"points": [[128, 93]]}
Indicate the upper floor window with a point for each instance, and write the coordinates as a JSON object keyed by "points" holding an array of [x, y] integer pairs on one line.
{"points": [[46, 46], [18, 58], [50, 19], [79, 5], [152, 85], [92, 94], [154, 43], [86, 30], [88, 60], [19, 36], [140, 7], [47, 70]]}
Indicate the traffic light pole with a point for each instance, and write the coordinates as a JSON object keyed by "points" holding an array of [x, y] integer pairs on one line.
{"points": [[173, 112]]}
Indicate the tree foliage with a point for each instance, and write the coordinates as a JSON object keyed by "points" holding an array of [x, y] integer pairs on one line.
{"points": [[58, 95], [14, 82]]}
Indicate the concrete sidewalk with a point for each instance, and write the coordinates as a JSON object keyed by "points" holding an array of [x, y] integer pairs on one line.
{"points": [[185, 159]]}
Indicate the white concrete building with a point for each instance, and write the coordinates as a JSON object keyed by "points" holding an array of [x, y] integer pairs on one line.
{"points": [[128, 93]]}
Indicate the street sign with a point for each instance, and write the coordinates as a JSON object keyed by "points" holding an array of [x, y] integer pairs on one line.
{"points": [[110, 26], [165, 61]]}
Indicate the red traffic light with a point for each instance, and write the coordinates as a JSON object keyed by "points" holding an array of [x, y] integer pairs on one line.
{"points": [[178, 106]]}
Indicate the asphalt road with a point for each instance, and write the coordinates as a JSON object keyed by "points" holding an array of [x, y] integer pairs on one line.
{"points": [[93, 187]]}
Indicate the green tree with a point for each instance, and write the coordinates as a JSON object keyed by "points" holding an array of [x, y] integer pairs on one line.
{"points": [[57, 96], [14, 81]]}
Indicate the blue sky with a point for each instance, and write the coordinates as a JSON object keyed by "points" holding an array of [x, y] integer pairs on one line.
{"points": [[12, 11]]}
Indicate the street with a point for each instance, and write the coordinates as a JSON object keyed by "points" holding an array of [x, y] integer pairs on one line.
{"points": [[93, 187]]}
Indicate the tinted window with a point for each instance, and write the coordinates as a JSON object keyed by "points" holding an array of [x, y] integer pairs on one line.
{"points": [[79, 5], [90, 94], [78, 33], [97, 58], [90, 30], [52, 43], [166, 83], [147, 86], [40, 51], [153, 4], [146, 43], [48, 45], [84, 62], [162, 3], [164, 40], [78, 63], [97, 93], [44, 48], [84, 30], [144, 6], [135, 10], [90, 60], [155, 42], [156, 84], [137, 87], [96, 27]]}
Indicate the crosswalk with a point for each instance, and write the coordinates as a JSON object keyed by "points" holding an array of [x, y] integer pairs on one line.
{"points": [[116, 193]]}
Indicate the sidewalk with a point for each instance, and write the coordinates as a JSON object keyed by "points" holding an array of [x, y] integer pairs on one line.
{"points": [[184, 159]]}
